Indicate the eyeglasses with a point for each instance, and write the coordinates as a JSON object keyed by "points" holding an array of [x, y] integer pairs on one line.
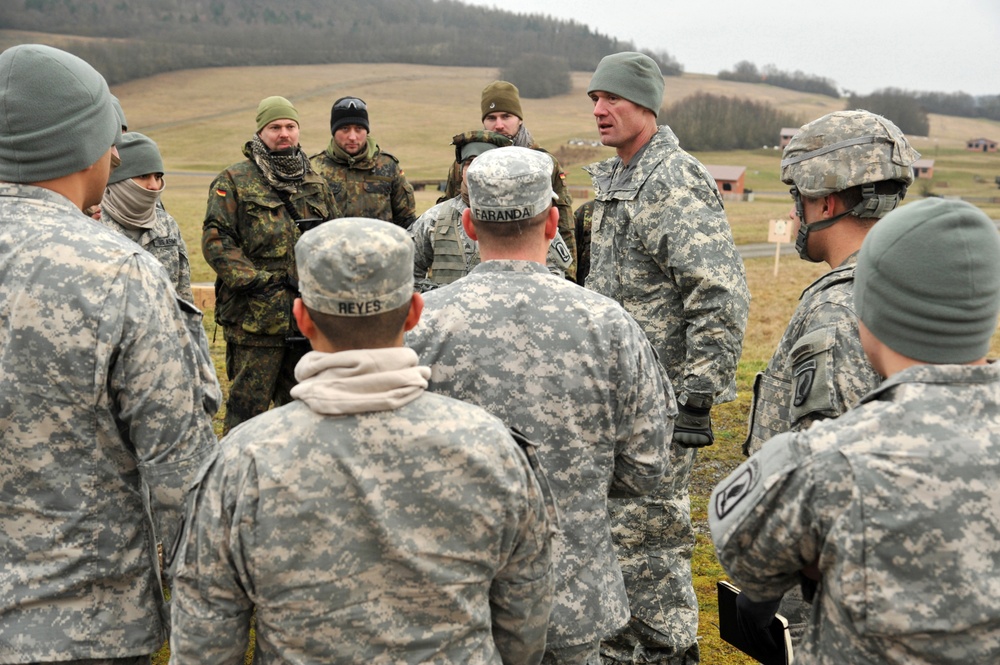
{"points": [[350, 103]]}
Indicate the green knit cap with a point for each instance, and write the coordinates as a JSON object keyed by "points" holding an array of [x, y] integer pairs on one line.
{"points": [[632, 76], [501, 97], [275, 108], [58, 117], [927, 283], [139, 155]]}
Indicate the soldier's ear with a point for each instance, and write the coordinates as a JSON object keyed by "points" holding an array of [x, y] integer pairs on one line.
{"points": [[552, 223], [302, 318], [470, 229], [416, 309]]}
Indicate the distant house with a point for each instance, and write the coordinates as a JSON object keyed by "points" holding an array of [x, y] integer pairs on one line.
{"points": [[786, 135], [923, 168], [729, 180], [981, 145]]}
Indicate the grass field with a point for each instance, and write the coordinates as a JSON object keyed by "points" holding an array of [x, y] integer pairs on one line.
{"points": [[201, 118]]}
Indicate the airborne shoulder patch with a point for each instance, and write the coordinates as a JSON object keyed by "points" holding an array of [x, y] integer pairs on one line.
{"points": [[727, 498]]}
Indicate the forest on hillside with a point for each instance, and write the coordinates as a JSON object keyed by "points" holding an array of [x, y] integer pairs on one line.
{"points": [[132, 40]]}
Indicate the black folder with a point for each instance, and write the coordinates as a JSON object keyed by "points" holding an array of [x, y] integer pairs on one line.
{"points": [[755, 646]]}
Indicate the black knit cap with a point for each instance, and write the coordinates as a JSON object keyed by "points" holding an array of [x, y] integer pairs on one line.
{"points": [[349, 111]]}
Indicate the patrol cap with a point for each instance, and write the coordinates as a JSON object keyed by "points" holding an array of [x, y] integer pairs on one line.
{"points": [[927, 282], [139, 156], [275, 108], [355, 267], [58, 117], [845, 149], [476, 142], [510, 185]]}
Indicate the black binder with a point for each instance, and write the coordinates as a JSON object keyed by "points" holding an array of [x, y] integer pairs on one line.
{"points": [[732, 631]]}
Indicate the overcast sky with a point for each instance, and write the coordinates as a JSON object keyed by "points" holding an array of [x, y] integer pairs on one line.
{"points": [[861, 45]]}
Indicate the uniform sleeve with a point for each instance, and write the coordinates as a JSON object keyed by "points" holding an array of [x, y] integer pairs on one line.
{"points": [[769, 518], [522, 591], [183, 265], [645, 417], [829, 367], [158, 390], [422, 231], [404, 204], [220, 241], [567, 224], [682, 224], [210, 609]]}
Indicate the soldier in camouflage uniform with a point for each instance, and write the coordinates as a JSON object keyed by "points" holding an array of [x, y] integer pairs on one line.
{"points": [[106, 387], [501, 108], [368, 521], [847, 169], [444, 252], [894, 507], [129, 207], [365, 180], [251, 225], [578, 376], [661, 246]]}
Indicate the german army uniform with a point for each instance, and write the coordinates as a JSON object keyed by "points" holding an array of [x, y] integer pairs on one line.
{"points": [[248, 239], [579, 377], [564, 204], [163, 240], [369, 185], [893, 499], [106, 407], [819, 369], [469, 551], [444, 252], [662, 247]]}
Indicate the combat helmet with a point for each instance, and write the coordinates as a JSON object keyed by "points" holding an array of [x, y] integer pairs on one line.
{"points": [[842, 150], [476, 142]]}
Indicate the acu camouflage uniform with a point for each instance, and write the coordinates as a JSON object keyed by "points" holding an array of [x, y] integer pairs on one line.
{"points": [[898, 503], [367, 185], [163, 240], [106, 398], [564, 204], [575, 373], [248, 238], [819, 369], [662, 247], [404, 535], [583, 216]]}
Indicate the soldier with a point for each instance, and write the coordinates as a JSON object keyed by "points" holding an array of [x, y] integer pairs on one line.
{"points": [[583, 217], [365, 180], [894, 507], [847, 169], [579, 376], [106, 388], [368, 520], [661, 246], [129, 207], [255, 208], [501, 108], [443, 250]]}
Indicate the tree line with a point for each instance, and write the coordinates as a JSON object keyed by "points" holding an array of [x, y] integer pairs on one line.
{"points": [[128, 40]]}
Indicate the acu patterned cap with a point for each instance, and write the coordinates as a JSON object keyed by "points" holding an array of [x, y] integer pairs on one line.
{"points": [[510, 185], [474, 143], [355, 267], [845, 149]]}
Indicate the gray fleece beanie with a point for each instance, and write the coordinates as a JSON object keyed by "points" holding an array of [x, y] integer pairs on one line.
{"points": [[927, 283], [633, 76], [139, 155], [56, 114]]}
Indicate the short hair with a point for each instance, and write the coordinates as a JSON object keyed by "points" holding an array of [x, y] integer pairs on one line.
{"points": [[509, 231], [360, 332]]}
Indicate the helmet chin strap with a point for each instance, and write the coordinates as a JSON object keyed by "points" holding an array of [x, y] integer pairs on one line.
{"points": [[872, 205]]}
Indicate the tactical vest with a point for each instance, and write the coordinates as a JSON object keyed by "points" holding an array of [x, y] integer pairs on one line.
{"points": [[449, 250]]}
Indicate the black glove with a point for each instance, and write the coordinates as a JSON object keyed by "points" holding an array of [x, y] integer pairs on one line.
{"points": [[693, 427]]}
